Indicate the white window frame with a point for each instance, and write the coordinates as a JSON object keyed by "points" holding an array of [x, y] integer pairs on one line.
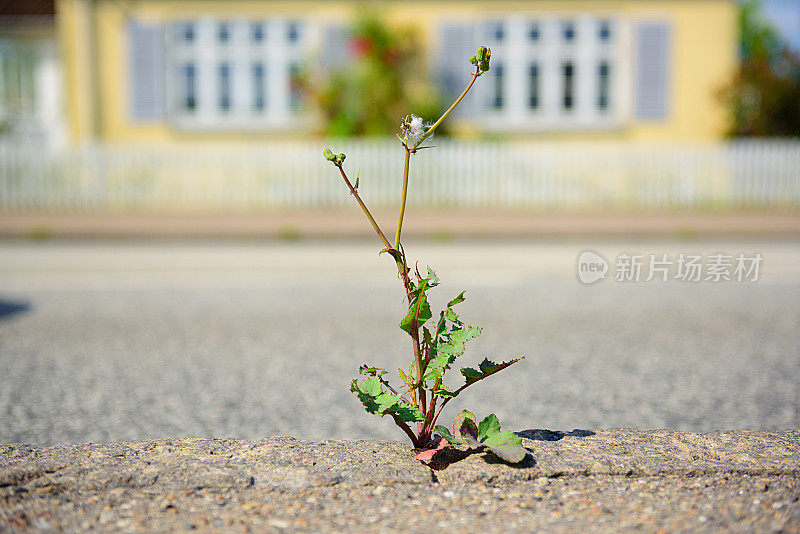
{"points": [[241, 52], [586, 51]]}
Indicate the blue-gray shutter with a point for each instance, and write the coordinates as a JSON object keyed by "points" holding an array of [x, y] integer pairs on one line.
{"points": [[146, 70], [336, 47], [456, 44], [652, 70]]}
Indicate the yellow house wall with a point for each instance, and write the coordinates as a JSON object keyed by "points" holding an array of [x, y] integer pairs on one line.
{"points": [[702, 57]]}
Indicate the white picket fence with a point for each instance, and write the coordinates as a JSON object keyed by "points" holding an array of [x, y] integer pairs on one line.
{"points": [[271, 175]]}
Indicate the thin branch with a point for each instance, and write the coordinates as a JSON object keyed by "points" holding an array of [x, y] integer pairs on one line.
{"points": [[403, 201], [354, 192], [446, 113]]}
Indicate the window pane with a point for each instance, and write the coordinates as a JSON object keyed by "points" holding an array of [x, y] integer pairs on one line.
{"points": [[497, 31], [533, 79], [224, 87], [259, 93], [604, 31], [568, 72], [189, 82], [257, 32], [533, 32], [186, 32], [223, 32], [603, 85], [568, 30], [293, 32], [497, 89]]}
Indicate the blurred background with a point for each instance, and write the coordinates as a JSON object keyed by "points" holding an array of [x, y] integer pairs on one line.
{"points": [[177, 258]]}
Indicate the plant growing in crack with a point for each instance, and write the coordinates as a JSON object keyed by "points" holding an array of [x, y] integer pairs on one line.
{"points": [[435, 344]]}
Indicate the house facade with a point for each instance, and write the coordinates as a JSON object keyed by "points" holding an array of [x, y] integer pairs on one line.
{"points": [[31, 81], [172, 71]]}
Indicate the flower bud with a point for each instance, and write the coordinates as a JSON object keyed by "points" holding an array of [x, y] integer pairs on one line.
{"points": [[483, 56], [473, 60], [329, 155]]}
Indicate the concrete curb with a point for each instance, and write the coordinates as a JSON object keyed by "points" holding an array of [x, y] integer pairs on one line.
{"points": [[571, 481]]}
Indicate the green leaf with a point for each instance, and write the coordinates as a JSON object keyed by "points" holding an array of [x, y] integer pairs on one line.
{"points": [[456, 340], [407, 412], [507, 446], [445, 433], [437, 367], [404, 377], [471, 375], [485, 369], [465, 428], [371, 387], [427, 339], [393, 253], [371, 371], [418, 310], [445, 393], [432, 279], [386, 401], [488, 427], [377, 401], [458, 300], [441, 326]]}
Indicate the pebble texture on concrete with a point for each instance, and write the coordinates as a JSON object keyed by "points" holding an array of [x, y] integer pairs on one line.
{"points": [[571, 481]]}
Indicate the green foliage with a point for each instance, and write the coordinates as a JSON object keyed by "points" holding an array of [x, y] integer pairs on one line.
{"points": [[467, 431], [336, 159], [435, 346], [763, 96], [419, 311], [441, 347], [481, 59], [376, 400], [386, 77]]}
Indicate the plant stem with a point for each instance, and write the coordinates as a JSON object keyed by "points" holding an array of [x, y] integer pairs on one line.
{"points": [[403, 201], [354, 192], [446, 113], [408, 431]]}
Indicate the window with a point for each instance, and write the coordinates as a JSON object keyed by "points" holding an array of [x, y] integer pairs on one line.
{"points": [[533, 88], [223, 32], [568, 31], [236, 73], [568, 85], [257, 32], [551, 72], [186, 32], [224, 90], [259, 92], [603, 82], [497, 87], [604, 31], [293, 32], [533, 32], [189, 101], [497, 32]]}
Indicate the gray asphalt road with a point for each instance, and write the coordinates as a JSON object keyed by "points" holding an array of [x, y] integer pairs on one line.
{"points": [[123, 340]]}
